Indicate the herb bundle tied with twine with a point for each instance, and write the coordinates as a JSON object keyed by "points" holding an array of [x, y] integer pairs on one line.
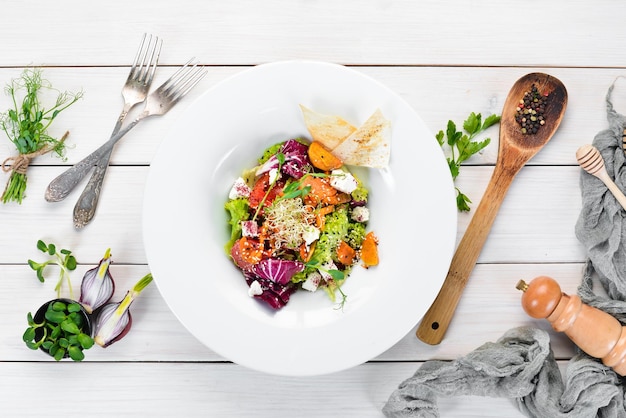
{"points": [[26, 124]]}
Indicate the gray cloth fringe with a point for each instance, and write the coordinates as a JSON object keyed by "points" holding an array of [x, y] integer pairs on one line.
{"points": [[520, 365]]}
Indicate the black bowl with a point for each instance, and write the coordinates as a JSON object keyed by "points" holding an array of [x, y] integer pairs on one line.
{"points": [[40, 317]]}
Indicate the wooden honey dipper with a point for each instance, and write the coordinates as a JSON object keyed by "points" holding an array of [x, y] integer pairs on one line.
{"points": [[596, 332], [590, 159]]}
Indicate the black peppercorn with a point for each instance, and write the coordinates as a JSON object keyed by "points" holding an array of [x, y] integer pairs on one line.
{"points": [[530, 111]]}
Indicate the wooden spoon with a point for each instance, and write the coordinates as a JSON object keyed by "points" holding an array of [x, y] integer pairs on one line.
{"points": [[515, 149], [590, 159]]}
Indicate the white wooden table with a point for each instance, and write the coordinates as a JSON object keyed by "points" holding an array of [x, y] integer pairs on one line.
{"points": [[446, 58]]}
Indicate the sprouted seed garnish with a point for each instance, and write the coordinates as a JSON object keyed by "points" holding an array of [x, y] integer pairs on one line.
{"points": [[298, 223]]}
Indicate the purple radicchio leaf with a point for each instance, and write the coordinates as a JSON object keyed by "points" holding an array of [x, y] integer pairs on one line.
{"points": [[296, 160], [277, 270], [274, 294]]}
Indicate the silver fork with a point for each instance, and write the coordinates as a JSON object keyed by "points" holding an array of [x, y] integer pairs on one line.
{"points": [[135, 91], [158, 103]]}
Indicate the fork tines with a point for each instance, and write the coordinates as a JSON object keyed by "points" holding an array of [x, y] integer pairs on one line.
{"points": [[144, 67], [182, 80]]}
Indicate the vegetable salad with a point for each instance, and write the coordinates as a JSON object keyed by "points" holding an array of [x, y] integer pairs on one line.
{"points": [[298, 222]]}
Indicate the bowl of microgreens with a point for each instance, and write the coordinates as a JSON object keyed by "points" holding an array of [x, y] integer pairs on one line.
{"points": [[61, 328], [65, 327]]}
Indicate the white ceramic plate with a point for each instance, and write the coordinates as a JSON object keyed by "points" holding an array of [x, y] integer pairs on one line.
{"points": [[412, 208]]}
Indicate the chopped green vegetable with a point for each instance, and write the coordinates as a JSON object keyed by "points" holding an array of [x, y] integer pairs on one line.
{"points": [[26, 125], [462, 147], [238, 210], [269, 152]]}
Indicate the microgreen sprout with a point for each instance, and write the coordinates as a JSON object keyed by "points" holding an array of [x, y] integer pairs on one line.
{"points": [[62, 331], [62, 258]]}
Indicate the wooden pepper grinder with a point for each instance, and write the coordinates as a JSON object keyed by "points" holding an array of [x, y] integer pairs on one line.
{"points": [[596, 332]]}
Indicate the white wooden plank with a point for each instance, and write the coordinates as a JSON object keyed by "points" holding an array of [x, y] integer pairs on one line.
{"points": [[489, 307], [437, 94], [491, 33], [220, 390]]}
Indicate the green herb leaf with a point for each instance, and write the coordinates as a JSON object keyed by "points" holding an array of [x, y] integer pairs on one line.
{"points": [[29, 334], [85, 341], [73, 307], [473, 123], [336, 274], [56, 332], [42, 246], [463, 146], [54, 316], [59, 306], [76, 353], [59, 354], [490, 121], [69, 326]]}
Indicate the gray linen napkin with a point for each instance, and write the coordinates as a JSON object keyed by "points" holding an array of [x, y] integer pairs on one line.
{"points": [[521, 365]]}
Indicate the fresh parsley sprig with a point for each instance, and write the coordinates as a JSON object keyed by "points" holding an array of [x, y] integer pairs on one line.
{"points": [[462, 147]]}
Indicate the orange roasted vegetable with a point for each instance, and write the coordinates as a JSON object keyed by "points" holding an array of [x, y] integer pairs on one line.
{"points": [[345, 253], [320, 216], [369, 250], [322, 158], [251, 250]]}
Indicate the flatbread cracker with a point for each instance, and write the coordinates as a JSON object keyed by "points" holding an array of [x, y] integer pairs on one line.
{"points": [[329, 130], [368, 146]]}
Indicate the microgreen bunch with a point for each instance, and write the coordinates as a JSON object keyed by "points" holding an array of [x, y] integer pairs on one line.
{"points": [[462, 146], [63, 258], [60, 332], [26, 124]]}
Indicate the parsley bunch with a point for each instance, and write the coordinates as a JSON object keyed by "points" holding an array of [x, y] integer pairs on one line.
{"points": [[462, 146]]}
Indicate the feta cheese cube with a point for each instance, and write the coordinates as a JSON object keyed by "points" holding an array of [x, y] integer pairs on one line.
{"points": [[343, 181], [249, 229], [310, 235], [360, 214], [239, 189], [312, 281], [274, 175], [255, 289]]}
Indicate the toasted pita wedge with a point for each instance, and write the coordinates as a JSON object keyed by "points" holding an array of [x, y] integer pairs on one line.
{"points": [[368, 146], [329, 130]]}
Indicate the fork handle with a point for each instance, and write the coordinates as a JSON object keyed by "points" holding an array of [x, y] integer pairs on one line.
{"points": [[64, 183], [85, 207]]}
